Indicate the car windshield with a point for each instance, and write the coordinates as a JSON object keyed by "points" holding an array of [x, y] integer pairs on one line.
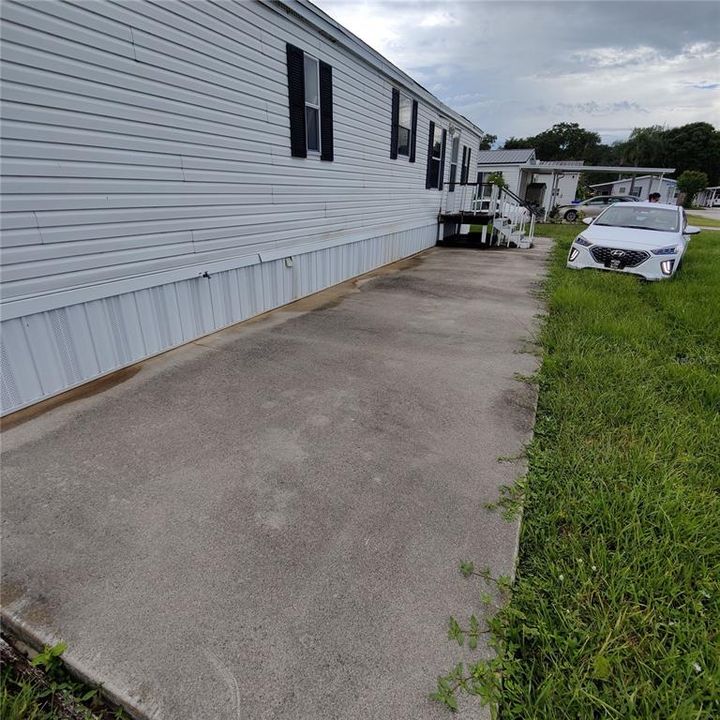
{"points": [[641, 218]]}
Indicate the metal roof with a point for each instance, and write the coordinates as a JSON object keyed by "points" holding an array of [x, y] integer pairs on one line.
{"points": [[629, 179], [505, 157], [621, 169], [560, 162]]}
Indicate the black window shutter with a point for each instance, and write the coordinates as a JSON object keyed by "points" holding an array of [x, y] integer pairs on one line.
{"points": [[441, 174], [467, 167], [428, 181], [453, 177], [414, 130], [326, 112], [395, 119], [296, 100], [463, 176]]}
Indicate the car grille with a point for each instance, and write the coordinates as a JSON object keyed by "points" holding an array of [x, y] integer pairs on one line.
{"points": [[626, 258]]}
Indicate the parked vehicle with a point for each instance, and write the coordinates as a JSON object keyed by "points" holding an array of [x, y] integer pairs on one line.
{"points": [[591, 207], [643, 238]]}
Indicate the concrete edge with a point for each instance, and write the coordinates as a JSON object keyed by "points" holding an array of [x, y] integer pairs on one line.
{"points": [[92, 386], [34, 639], [524, 465]]}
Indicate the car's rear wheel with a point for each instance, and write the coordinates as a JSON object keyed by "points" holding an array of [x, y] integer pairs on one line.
{"points": [[571, 215]]}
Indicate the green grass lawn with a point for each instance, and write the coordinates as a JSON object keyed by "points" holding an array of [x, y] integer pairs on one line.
{"points": [[700, 220], [616, 611]]}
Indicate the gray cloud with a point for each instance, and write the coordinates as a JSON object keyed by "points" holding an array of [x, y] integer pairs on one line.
{"points": [[590, 108], [515, 68]]}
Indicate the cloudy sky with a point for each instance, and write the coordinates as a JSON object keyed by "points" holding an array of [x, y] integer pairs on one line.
{"points": [[516, 67]]}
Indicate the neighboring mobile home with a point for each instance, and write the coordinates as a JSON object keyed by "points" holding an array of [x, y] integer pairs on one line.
{"points": [[171, 169], [709, 197], [640, 187], [538, 182]]}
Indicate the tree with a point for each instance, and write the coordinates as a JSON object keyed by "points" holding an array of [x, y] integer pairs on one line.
{"points": [[563, 141], [690, 183], [695, 147], [497, 178], [486, 141], [646, 147]]}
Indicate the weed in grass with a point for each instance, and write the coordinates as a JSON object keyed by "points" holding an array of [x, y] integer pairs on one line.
{"points": [[615, 611], [48, 693], [527, 379], [511, 499], [513, 458]]}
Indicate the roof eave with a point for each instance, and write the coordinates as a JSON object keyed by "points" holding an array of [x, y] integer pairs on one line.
{"points": [[333, 31]]}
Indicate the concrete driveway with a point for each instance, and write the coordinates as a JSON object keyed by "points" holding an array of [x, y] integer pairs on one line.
{"points": [[267, 523]]}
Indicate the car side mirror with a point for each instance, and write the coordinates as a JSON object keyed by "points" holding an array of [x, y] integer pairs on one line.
{"points": [[691, 230], [588, 221]]}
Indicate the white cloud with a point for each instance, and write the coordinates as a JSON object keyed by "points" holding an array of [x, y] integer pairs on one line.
{"points": [[438, 18], [607, 57], [515, 68]]}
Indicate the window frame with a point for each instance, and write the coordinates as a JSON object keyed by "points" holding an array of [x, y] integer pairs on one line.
{"points": [[315, 107], [465, 170], [437, 131], [454, 156], [404, 96]]}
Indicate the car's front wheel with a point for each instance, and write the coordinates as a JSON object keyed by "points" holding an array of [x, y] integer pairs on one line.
{"points": [[571, 215]]}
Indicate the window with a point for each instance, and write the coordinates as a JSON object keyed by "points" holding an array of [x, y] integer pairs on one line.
{"points": [[436, 157], [404, 125], [640, 218], [312, 104], [310, 101], [465, 170], [454, 152]]}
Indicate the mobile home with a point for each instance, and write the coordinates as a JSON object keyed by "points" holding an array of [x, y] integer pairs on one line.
{"points": [[538, 182], [640, 187], [171, 169], [709, 197]]}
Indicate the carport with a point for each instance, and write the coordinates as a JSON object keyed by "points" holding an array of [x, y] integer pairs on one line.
{"points": [[556, 170]]}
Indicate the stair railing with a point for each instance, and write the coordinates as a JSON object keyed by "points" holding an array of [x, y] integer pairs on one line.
{"points": [[513, 218]]}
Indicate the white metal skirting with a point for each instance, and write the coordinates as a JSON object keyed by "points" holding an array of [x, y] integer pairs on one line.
{"points": [[49, 352]]}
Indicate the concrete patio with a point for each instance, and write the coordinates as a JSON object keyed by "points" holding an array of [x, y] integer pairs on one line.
{"points": [[267, 523]]}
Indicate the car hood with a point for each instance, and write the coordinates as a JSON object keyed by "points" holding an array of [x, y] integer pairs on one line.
{"points": [[628, 238]]}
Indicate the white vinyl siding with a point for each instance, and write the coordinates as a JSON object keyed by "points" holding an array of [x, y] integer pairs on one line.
{"points": [[145, 144]]}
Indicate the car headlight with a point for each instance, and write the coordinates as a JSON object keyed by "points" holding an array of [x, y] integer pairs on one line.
{"points": [[669, 250], [580, 240]]}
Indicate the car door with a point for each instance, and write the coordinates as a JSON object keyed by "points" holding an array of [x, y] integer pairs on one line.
{"points": [[683, 224], [595, 206]]}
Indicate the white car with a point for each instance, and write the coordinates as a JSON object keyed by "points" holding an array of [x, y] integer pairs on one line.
{"points": [[643, 238]]}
